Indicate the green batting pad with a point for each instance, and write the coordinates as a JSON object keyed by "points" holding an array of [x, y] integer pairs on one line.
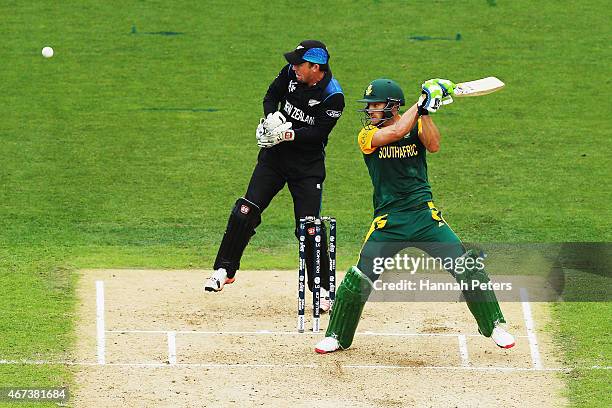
{"points": [[482, 303], [351, 296]]}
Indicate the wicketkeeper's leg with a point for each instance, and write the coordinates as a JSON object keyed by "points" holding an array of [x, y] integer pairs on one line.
{"points": [[243, 220], [265, 183]]}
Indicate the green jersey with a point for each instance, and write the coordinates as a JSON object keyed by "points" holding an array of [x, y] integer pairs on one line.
{"points": [[398, 171]]}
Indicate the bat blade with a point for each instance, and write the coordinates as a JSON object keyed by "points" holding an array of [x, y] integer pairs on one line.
{"points": [[478, 87]]}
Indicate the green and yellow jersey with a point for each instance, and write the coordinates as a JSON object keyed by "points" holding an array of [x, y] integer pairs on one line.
{"points": [[398, 171]]}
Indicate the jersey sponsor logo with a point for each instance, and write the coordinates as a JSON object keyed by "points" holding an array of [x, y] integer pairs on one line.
{"points": [[244, 209], [313, 102], [298, 114], [292, 85], [333, 113], [397, 152]]}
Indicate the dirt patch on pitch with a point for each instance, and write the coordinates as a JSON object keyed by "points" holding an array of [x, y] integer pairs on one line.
{"points": [[239, 348]]}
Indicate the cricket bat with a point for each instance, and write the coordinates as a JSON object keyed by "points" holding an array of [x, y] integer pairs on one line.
{"points": [[478, 87]]}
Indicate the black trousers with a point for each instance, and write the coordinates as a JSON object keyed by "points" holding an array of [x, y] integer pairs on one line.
{"points": [[306, 187]]}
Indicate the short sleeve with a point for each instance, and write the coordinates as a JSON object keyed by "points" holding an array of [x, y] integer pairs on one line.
{"points": [[365, 139]]}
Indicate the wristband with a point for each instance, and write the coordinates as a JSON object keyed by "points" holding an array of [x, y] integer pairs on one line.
{"points": [[422, 111]]}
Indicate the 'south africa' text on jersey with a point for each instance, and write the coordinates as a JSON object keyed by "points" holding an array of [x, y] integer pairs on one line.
{"points": [[397, 152]]}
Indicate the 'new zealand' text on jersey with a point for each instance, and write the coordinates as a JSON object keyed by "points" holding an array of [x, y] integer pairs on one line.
{"points": [[313, 112], [398, 171]]}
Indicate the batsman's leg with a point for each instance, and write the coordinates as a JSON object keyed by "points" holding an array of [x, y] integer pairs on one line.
{"points": [[355, 289], [440, 241], [351, 296], [482, 302]]}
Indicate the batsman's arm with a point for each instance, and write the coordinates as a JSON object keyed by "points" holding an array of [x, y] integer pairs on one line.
{"points": [[429, 134], [276, 91], [398, 130]]}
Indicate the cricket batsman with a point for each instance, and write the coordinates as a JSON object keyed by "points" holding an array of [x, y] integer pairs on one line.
{"points": [[394, 149]]}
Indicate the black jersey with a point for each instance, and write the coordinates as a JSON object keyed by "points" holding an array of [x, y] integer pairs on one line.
{"points": [[313, 111]]}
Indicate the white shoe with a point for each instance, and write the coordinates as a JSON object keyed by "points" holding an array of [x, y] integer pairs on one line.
{"points": [[217, 280], [327, 345], [324, 302], [502, 338]]}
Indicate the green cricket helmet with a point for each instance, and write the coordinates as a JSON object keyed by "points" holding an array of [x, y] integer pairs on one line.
{"points": [[382, 90]]}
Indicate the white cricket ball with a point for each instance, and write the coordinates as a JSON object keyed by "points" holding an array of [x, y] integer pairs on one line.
{"points": [[47, 52]]}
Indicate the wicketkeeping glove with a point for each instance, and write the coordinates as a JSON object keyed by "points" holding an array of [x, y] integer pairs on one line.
{"points": [[273, 120], [431, 98], [282, 133], [261, 130]]}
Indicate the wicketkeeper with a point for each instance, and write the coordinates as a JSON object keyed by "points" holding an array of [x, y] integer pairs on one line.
{"points": [[394, 148], [301, 108]]}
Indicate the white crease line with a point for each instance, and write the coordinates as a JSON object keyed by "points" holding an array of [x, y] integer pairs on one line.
{"points": [[100, 332], [531, 335], [32, 362], [215, 365], [289, 333], [471, 368], [463, 350], [172, 347], [370, 366]]}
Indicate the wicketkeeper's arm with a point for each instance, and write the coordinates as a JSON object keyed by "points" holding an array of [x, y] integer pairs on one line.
{"points": [[325, 121], [276, 91]]}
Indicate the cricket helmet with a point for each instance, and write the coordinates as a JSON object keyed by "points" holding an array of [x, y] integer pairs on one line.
{"points": [[382, 90]]}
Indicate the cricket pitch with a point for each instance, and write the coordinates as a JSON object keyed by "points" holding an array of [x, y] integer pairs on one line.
{"points": [[155, 338]]}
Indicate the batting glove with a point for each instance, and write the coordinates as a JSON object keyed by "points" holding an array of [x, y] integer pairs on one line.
{"points": [[448, 90], [430, 99], [282, 133]]}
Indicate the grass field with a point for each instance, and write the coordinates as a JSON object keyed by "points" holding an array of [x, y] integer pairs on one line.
{"points": [[130, 145]]}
